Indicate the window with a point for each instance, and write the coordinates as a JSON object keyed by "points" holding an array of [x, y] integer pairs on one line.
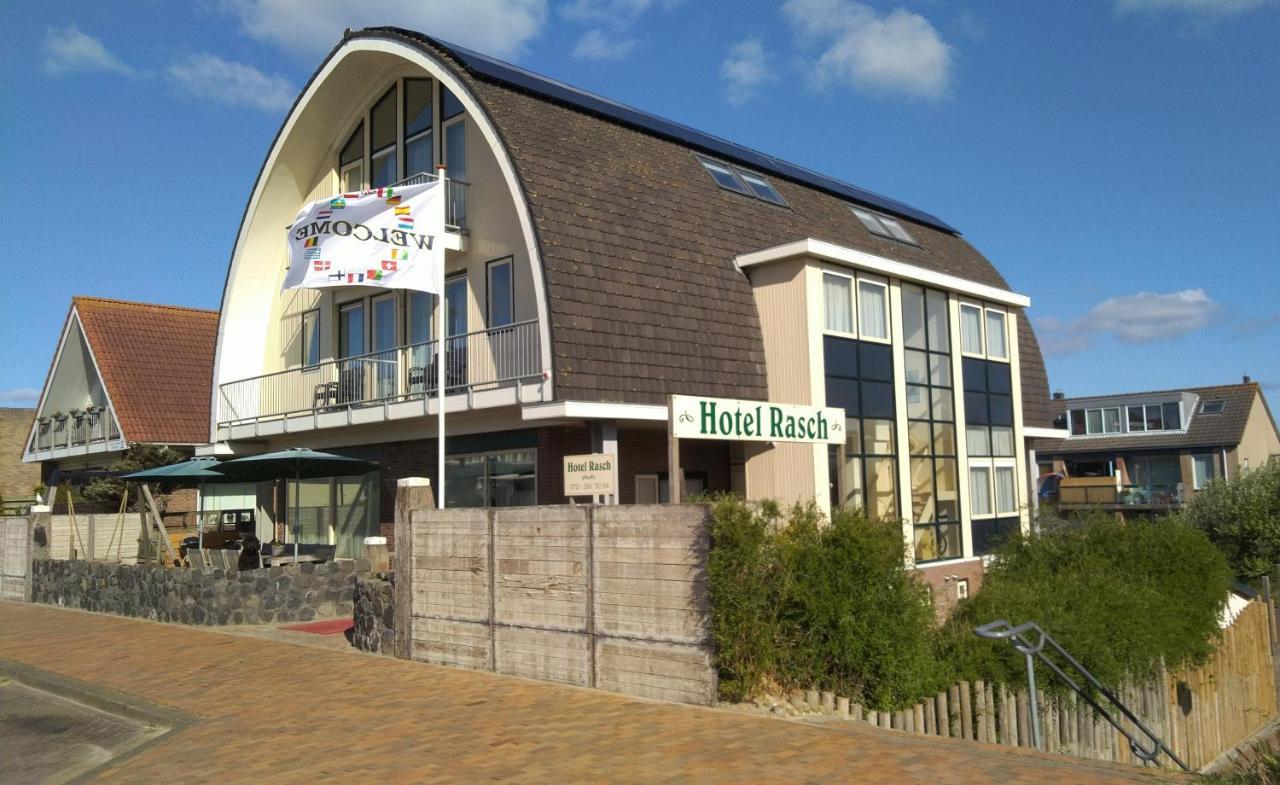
{"points": [[873, 311], [872, 306], [455, 299], [1212, 407], [1093, 421], [418, 116], [837, 295], [383, 170], [883, 225], [506, 478], [863, 471], [1203, 466], [761, 188], [1171, 413], [970, 329], [980, 490], [1006, 494], [1155, 417], [931, 429], [501, 294], [1099, 421], [351, 329], [997, 338], [450, 106], [351, 162], [310, 339], [732, 178]]}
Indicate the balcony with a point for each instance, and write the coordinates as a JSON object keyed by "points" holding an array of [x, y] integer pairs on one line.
{"points": [[78, 432], [482, 368], [455, 194], [1105, 493]]}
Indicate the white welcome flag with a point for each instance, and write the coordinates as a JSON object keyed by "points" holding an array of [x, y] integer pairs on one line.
{"points": [[388, 237]]}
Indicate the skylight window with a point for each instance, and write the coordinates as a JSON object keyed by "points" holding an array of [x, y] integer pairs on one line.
{"points": [[731, 178], [1212, 407], [883, 225], [761, 188]]}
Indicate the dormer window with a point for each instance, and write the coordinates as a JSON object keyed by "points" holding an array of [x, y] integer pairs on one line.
{"points": [[1212, 407]]}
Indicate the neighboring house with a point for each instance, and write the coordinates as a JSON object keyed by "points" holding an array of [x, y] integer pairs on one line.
{"points": [[1151, 452], [123, 373], [18, 480], [606, 259]]}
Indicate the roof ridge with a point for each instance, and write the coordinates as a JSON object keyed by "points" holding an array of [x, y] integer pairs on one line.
{"points": [[81, 298], [1197, 389]]}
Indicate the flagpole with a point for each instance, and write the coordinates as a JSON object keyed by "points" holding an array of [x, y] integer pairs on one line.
{"points": [[440, 342]]}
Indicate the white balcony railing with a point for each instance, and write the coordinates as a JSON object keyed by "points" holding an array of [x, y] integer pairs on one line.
{"points": [[484, 359]]}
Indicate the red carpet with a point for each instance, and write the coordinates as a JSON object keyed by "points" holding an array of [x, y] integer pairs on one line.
{"points": [[326, 627]]}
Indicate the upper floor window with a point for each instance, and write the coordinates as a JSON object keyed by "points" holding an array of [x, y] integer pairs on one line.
{"points": [[310, 338], [1212, 407], [845, 295], [501, 293], [984, 331], [883, 225], [419, 153], [383, 169], [732, 178], [1155, 417], [404, 133]]}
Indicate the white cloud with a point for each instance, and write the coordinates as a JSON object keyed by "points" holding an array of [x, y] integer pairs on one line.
{"points": [[22, 395], [596, 44], [1145, 317], [1197, 7], [611, 12], [899, 52], [744, 69], [1257, 325], [67, 50], [310, 28], [236, 84]]}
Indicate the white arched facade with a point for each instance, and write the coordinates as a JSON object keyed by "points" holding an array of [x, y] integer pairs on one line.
{"points": [[301, 165]]}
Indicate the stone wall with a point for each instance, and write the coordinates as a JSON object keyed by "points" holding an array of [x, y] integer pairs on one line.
{"points": [[288, 593], [374, 624], [613, 597]]}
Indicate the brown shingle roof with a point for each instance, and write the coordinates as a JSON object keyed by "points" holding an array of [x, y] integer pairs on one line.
{"points": [[1204, 430], [157, 364], [637, 246]]}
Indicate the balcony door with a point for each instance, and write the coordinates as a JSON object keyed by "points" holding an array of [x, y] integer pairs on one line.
{"points": [[382, 362], [418, 329], [455, 317], [351, 345]]}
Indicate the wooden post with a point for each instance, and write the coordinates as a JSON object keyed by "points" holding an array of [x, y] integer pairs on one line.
{"points": [[966, 712], [154, 514], [944, 722], [675, 474], [917, 719], [980, 708], [931, 717]]}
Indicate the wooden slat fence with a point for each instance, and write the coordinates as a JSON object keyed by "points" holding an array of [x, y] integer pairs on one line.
{"points": [[1199, 712]]}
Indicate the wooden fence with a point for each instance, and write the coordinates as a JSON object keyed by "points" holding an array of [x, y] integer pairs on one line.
{"points": [[98, 536], [1198, 712]]}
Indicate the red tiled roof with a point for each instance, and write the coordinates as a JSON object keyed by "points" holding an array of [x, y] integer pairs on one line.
{"points": [[157, 364]]}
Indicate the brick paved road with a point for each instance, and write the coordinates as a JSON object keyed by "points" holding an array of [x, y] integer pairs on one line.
{"points": [[272, 712]]}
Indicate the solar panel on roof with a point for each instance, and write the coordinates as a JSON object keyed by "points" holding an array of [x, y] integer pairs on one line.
{"points": [[544, 86]]}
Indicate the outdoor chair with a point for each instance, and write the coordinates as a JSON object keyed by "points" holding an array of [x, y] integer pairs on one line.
{"points": [[326, 395]]}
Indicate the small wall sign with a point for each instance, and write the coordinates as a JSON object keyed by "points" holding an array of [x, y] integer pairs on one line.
{"points": [[695, 417], [591, 475]]}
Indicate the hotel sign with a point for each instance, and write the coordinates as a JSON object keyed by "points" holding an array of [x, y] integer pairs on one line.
{"points": [[591, 475], [754, 421]]}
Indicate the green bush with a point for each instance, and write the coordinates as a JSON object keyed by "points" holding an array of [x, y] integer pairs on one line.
{"points": [[1121, 597], [1242, 517], [798, 602]]}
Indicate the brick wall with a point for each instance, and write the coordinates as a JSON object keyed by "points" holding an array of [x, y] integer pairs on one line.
{"points": [[645, 452], [943, 580], [16, 478]]}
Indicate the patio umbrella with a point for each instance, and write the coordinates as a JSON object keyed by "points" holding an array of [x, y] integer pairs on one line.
{"points": [[297, 463], [193, 470]]}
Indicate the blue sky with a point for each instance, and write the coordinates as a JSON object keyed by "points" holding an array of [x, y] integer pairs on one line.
{"points": [[1118, 160]]}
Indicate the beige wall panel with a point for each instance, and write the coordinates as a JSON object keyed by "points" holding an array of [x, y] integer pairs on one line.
{"points": [[785, 471], [1259, 442]]}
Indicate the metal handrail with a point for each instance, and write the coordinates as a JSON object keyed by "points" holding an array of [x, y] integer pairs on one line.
{"points": [[455, 193], [1020, 637], [74, 430]]}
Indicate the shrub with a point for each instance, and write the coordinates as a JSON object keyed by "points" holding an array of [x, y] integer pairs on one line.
{"points": [[1121, 597], [1242, 517], [798, 602]]}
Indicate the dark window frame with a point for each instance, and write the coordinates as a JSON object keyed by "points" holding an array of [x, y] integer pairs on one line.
{"points": [[306, 339], [768, 193], [510, 261]]}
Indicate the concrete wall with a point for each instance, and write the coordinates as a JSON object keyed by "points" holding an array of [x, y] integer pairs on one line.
{"points": [[15, 558], [608, 597]]}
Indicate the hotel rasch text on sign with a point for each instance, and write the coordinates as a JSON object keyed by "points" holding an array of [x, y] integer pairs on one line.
{"points": [[754, 421]]}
